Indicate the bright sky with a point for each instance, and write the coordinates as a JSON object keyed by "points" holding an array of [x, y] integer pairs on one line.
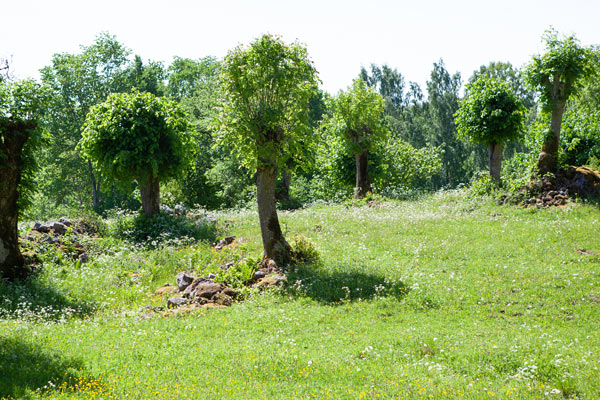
{"points": [[341, 35]]}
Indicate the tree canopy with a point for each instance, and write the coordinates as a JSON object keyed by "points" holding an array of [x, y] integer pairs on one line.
{"points": [[138, 136], [490, 112], [266, 89]]}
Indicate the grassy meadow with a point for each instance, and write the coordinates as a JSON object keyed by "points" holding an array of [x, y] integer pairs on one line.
{"points": [[439, 297]]}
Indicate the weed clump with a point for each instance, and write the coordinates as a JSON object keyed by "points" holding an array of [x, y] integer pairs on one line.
{"points": [[304, 251]]}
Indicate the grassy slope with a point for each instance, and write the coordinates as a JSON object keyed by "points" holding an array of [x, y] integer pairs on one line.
{"points": [[497, 301]]}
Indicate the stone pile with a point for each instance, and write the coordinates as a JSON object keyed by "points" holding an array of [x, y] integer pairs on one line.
{"points": [[557, 190], [192, 292], [197, 292], [53, 233]]}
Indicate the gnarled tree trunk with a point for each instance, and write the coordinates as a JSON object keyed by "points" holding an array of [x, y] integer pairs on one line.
{"points": [[150, 194], [275, 246], [15, 135], [548, 159], [363, 184], [495, 158]]}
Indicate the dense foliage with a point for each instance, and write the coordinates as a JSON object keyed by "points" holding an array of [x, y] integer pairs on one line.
{"points": [[266, 88], [138, 136], [490, 113]]}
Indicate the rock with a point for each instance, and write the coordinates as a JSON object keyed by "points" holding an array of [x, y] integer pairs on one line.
{"points": [[83, 258], [259, 275], [211, 276], [64, 221], [166, 290], [41, 228], [269, 265], [59, 228], [224, 242], [184, 280], [174, 302], [222, 299], [202, 287], [49, 240], [226, 266], [166, 209], [587, 179], [180, 209], [273, 280], [230, 292]]}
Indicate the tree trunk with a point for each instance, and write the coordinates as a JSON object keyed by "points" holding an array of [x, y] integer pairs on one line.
{"points": [[150, 194], [363, 184], [274, 244], [15, 135], [495, 158], [286, 179], [548, 159], [95, 186]]}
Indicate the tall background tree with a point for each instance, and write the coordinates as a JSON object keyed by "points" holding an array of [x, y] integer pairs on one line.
{"points": [[138, 136], [556, 75], [490, 114], [358, 119], [80, 81], [21, 109], [266, 89]]}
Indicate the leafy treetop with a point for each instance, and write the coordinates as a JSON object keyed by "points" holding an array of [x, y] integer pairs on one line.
{"points": [[266, 89], [359, 117], [557, 72], [136, 134], [490, 113]]}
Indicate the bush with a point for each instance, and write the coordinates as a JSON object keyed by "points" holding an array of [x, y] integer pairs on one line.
{"points": [[304, 250], [162, 227]]}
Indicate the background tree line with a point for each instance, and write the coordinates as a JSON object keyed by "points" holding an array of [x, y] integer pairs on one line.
{"points": [[418, 148]]}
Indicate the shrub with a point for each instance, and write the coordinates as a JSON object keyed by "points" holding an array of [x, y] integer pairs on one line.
{"points": [[162, 227]]}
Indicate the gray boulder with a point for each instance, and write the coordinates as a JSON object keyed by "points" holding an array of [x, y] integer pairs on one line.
{"points": [[174, 302], [184, 280], [41, 228], [59, 228]]}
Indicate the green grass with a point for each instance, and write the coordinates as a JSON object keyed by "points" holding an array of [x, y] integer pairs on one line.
{"points": [[444, 297]]}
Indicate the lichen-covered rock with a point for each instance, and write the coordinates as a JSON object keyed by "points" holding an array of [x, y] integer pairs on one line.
{"points": [[231, 292], [222, 299], [272, 280], [58, 228], [166, 290], [202, 287]]}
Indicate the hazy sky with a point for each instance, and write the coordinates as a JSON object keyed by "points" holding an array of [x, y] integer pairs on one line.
{"points": [[341, 36]]}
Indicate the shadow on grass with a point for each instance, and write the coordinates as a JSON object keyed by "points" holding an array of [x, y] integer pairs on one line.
{"points": [[25, 367], [341, 284], [32, 300]]}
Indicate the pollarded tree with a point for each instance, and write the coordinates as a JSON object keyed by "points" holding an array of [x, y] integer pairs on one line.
{"points": [[358, 118], [490, 114], [556, 74], [21, 107], [265, 118], [138, 136]]}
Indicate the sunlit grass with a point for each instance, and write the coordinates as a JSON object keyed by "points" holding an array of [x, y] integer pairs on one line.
{"points": [[446, 297]]}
